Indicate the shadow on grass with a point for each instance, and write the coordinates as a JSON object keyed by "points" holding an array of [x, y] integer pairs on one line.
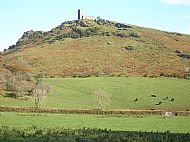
{"points": [[12, 95], [9, 95]]}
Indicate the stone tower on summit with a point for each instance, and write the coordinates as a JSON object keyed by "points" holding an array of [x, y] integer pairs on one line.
{"points": [[81, 16]]}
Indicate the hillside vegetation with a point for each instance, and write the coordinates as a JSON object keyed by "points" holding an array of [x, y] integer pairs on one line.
{"points": [[102, 47]]}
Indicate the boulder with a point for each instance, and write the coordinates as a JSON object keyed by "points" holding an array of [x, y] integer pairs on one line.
{"points": [[108, 43], [130, 47], [83, 24], [120, 25], [100, 21], [170, 113], [28, 34], [184, 55], [68, 22], [12, 46], [137, 35], [179, 51]]}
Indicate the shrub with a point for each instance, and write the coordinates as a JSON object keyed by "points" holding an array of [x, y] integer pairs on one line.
{"points": [[102, 98], [39, 93]]}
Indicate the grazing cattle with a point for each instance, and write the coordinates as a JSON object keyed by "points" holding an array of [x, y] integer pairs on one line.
{"points": [[165, 98], [136, 100], [153, 95], [159, 103], [172, 100]]}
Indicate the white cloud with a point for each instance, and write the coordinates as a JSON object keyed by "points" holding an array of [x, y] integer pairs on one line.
{"points": [[181, 2]]}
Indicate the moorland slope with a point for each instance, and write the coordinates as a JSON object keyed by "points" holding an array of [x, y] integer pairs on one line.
{"points": [[101, 47]]}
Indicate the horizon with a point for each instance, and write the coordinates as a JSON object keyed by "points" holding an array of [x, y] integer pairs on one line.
{"points": [[19, 16]]}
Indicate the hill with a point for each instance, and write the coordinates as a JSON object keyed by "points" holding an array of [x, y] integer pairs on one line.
{"points": [[86, 47]]}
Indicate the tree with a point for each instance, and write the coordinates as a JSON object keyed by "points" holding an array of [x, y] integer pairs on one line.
{"points": [[17, 83], [102, 98], [11, 83], [39, 93]]}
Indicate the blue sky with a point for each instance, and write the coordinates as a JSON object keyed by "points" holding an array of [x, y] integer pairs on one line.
{"points": [[18, 16]]}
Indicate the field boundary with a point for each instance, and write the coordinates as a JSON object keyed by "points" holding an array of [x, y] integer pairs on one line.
{"points": [[87, 111]]}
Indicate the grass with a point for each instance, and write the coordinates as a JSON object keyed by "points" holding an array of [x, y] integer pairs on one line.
{"points": [[74, 121], [78, 93]]}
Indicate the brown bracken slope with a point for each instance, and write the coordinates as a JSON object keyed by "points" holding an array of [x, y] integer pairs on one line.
{"points": [[102, 47]]}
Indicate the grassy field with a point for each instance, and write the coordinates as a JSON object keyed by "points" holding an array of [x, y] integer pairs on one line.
{"points": [[74, 121], [78, 93]]}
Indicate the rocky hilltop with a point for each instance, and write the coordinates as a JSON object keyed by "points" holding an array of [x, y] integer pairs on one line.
{"points": [[73, 29], [100, 47]]}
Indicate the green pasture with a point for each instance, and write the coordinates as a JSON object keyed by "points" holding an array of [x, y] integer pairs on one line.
{"points": [[78, 93], [147, 123]]}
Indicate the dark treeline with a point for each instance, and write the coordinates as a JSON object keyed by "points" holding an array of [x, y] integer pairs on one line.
{"points": [[87, 135]]}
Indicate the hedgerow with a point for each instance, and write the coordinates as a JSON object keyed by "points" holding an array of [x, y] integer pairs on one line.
{"points": [[34, 133]]}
